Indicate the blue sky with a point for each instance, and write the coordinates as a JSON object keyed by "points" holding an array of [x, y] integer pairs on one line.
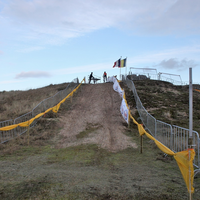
{"points": [[46, 42]]}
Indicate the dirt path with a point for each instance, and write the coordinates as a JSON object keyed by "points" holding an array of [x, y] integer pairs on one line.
{"points": [[98, 109]]}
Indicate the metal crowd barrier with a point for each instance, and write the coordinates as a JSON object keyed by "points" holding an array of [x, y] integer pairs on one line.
{"points": [[172, 136], [163, 133], [41, 107], [6, 135]]}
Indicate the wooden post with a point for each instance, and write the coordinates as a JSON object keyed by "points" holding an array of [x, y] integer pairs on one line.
{"points": [[71, 97], [141, 143], [28, 135]]}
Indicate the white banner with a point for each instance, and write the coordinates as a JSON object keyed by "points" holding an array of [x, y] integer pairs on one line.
{"points": [[111, 79], [115, 85], [124, 110], [117, 88], [121, 92]]}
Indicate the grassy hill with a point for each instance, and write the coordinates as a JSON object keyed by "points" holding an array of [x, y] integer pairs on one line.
{"points": [[16, 103], [87, 151], [167, 102]]}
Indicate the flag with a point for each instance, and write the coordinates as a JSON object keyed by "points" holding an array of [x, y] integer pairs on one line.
{"points": [[123, 63], [117, 63]]}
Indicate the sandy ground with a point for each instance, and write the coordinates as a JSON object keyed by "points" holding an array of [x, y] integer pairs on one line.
{"points": [[98, 107]]}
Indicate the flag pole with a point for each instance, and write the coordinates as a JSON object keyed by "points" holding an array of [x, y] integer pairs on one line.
{"points": [[120, 69], [190, 140], [126, 67]]}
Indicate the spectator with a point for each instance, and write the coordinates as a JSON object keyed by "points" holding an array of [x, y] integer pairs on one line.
{"points": [[91, 77], [104, 77]]}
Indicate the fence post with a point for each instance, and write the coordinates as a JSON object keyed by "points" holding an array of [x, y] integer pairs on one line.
{"points": [[171, 138], [28, 134], [141, 143], [71, 97], [190, 140]]}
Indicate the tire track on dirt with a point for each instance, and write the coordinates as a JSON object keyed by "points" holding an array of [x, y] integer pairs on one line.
{"points": [[108, 119], [96, 106]]}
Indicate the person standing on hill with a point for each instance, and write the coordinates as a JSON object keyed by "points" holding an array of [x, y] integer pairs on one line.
{"points": [[104, 77], [91, 77]]}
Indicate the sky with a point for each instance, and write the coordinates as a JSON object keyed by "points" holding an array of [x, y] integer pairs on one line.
{"points": [[45, 42]]}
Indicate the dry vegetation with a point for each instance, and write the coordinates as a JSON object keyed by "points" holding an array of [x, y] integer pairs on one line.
{"points": [[167, 102], [16, 103], [87, 171]]}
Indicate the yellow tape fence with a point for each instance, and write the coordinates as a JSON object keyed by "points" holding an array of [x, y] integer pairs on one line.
{"points": [[184, 159], [197, 90], [54, 109]]}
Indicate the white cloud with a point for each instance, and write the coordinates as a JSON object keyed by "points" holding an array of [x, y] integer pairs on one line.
{"points": [[32, 74], [65, 19], [51, 21], [182, 17], [187, 52], [174, 63]]}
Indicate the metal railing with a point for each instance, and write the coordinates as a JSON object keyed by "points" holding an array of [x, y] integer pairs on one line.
{"points": [[41, 107], [172, 136], [5, 135], [143, 76]]}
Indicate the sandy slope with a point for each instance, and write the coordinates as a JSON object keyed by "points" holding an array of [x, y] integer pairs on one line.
{"points": [[98, 108]]}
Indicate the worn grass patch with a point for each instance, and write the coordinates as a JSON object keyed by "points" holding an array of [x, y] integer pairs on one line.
{"points": [[82, 154], [88, 155], [89, 129], [25, 152]]}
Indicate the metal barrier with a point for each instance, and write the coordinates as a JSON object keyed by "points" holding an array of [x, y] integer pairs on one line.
{"points": [[20, 130], [172, 136], [180, 140], [41, 107], [148, 120], [163, 133], [6, 135]]}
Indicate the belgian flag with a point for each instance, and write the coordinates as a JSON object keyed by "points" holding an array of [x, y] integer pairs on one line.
{"points": [[123, 63]]}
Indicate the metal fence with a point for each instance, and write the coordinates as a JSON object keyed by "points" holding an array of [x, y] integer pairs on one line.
{"points": [[41, 107], [6, 135], [143, 76], [174, 137]]}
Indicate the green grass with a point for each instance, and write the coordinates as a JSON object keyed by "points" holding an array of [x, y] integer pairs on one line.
{"points": [[34, 189], [24, 152]]}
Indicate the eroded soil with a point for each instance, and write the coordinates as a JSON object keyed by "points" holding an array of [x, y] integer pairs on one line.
{"points": [[97, 108]]}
